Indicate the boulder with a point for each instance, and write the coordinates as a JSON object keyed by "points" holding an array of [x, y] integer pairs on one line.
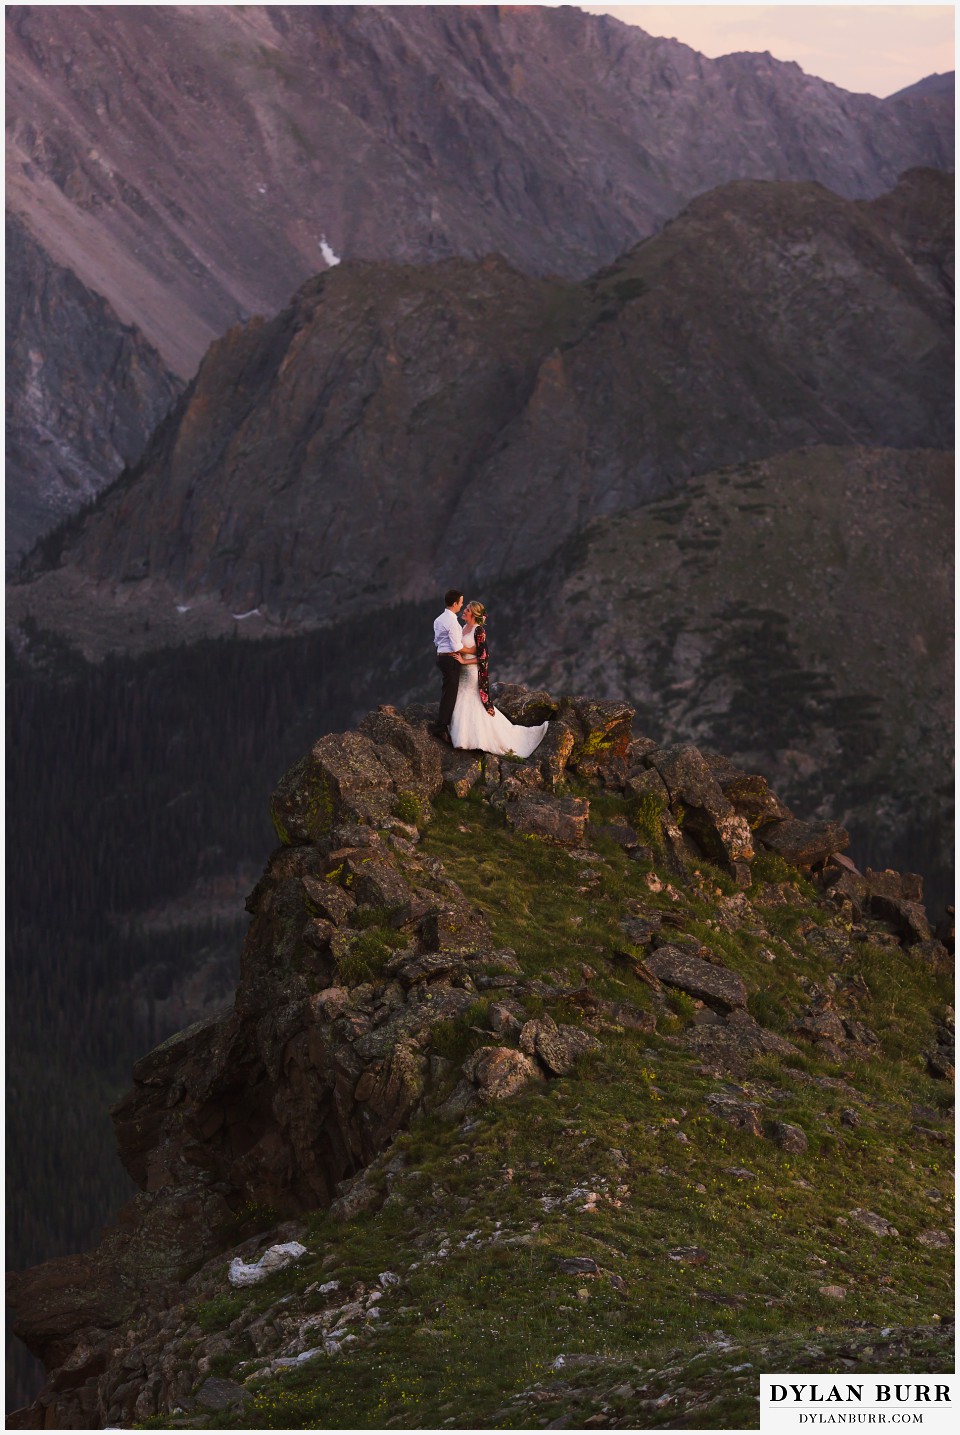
{"points": [[427, 967], [907, 918], [747, 793], [526, 706], [559, 819], [730, 1045], [803, 843], [708, 817], [641, 931], [716, 985], [936, 1240], [877, 1225], [555, 751], [217, 1394], [461, 771], [620, 833], [328, 899], [604, 730], [355, 777], [941, 1058], [646, 783], [741, 1114], [356, 1196], [820, 1023], [500, 1071], [792, 1139], [625, 1014], [556, 1046], [453, 926], [903, 886], [373, 882], [859, 1032], [506, 1018]]}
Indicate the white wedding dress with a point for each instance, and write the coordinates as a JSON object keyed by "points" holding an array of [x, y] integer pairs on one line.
{"points": [[472, 726]]}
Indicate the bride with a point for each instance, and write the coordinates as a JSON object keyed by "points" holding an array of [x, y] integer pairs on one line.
{"points": [[476, 723]]}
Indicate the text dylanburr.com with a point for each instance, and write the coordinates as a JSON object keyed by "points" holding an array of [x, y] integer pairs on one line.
{"points": [[926, 1403]]}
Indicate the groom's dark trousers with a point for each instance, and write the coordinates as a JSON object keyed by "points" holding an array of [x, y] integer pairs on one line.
{"points": [[450, 671]]}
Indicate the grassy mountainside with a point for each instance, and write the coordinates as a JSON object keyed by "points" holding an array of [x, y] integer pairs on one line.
{"points": [[715, 1188]]}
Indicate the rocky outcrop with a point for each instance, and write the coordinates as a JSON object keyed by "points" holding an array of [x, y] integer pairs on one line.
{"points": [[80, 409], [371, 991]]}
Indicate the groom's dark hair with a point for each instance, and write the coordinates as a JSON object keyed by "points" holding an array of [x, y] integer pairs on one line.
{"points": [[451, 596]]}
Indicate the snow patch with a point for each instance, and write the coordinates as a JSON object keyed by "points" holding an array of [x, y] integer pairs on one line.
{"points": [[250, 613], [329, 258]]}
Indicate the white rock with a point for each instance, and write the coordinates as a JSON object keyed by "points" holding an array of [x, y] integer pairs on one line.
{"points": [[273, 1259], [285, 1362]]}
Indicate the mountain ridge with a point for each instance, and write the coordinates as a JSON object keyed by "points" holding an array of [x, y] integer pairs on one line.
{"points": [[260, 144], [490, 59], [443, 398]]}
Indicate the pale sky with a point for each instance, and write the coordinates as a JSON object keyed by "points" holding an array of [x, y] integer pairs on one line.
{"points": [[873, 49]]}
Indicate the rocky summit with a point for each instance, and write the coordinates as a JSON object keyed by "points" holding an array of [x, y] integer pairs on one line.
{"points": [[581, 1088]]}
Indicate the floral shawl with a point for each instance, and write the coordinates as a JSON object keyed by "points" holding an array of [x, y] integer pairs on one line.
{"points": [[483, 666]]}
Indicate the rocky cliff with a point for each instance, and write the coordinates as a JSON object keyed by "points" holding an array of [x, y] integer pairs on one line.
{"points": [[84, 392], [519, 1050], [397, 424]]}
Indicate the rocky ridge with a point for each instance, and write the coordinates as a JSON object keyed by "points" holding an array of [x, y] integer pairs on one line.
{"points": [[365, 956], [766, 317]]}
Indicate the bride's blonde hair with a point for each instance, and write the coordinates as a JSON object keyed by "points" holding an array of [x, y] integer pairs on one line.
{"points": [[478, 610]]}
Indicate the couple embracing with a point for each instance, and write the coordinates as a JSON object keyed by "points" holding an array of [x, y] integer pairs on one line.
{"points": [[467, 717]]}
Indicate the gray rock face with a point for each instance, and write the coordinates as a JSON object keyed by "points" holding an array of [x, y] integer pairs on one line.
{"points": [[84, 392], [716, 985], [853, 638]]}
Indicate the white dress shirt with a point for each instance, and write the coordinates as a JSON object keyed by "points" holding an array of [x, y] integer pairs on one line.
{"points": [[447, 634]]}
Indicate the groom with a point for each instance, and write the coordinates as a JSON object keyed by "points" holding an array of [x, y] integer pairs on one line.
{"points": [[448, 642]]}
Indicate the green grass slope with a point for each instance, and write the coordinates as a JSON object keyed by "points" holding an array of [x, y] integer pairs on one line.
{"points": [[703, 1254]]}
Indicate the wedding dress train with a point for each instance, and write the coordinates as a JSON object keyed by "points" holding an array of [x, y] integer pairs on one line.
{"points": [[473, 728]]}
